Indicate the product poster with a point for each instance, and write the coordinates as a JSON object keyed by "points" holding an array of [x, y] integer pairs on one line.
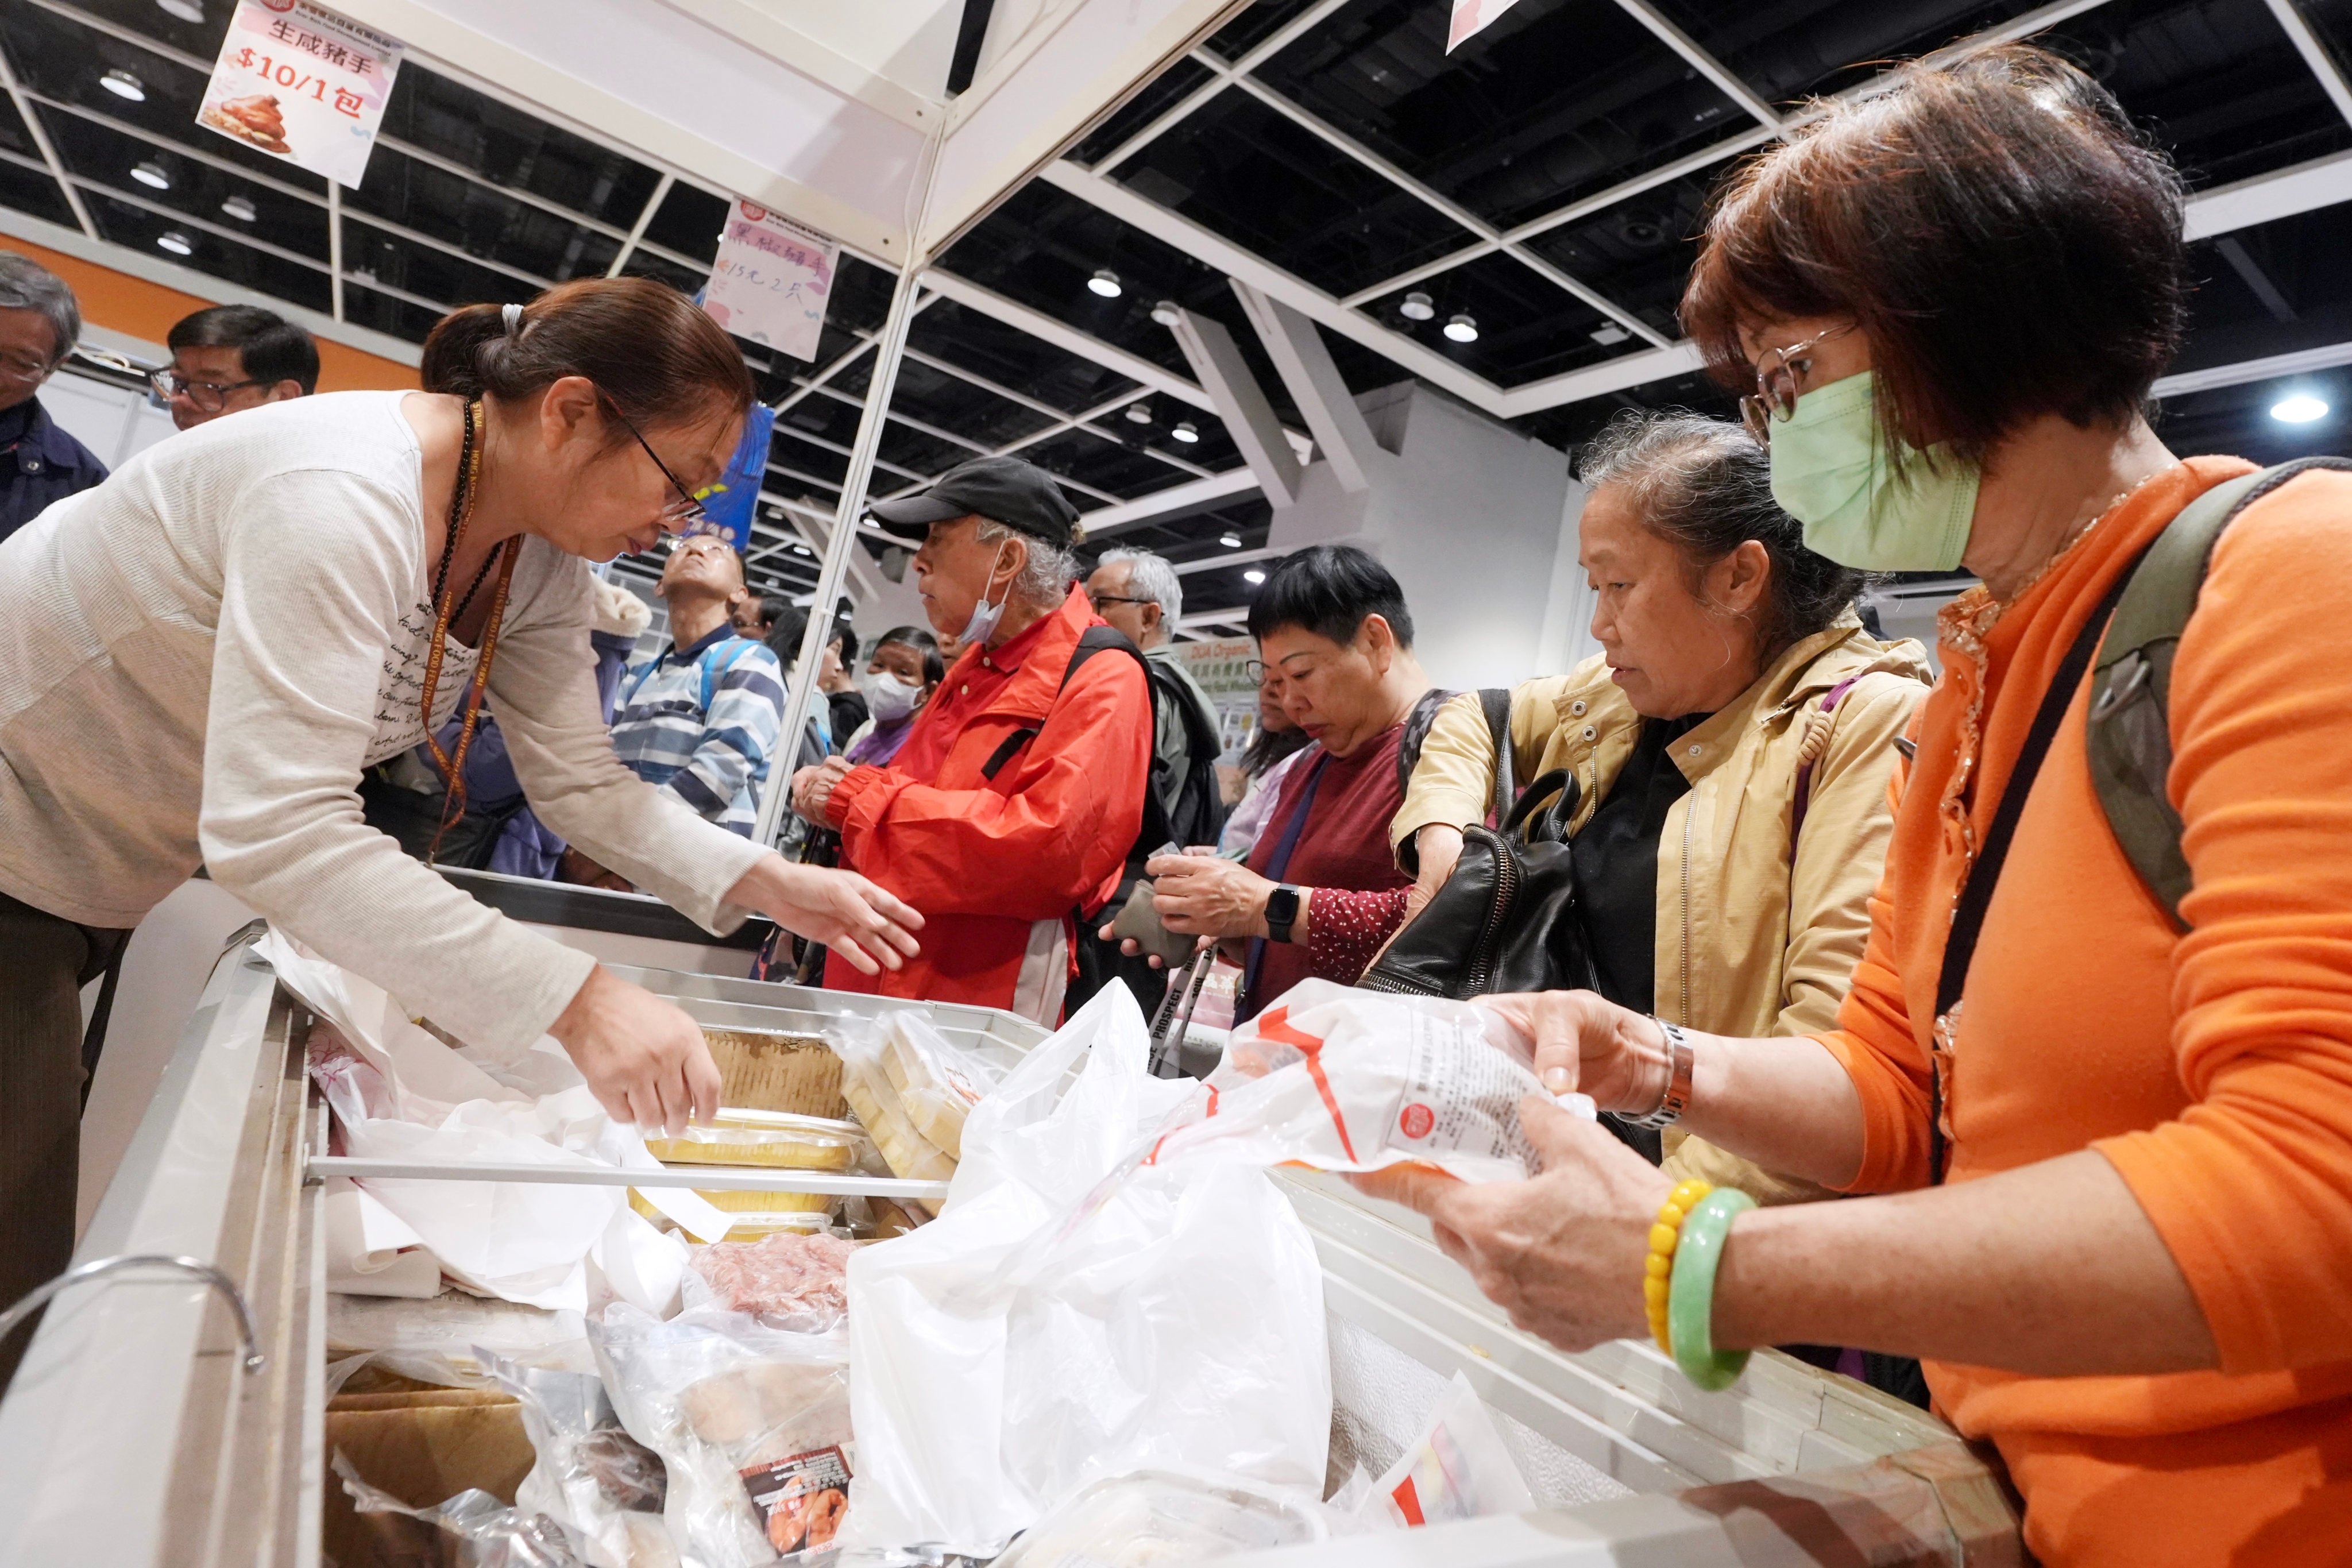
{"points": [[770, 281], [301, 83], [728, 505], [1472, 17], [1221, 667]]}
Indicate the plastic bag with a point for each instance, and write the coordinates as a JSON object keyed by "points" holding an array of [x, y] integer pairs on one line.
{"points": [[786, 1280], [1164, 1516], [752, 1424], [472, 1530], [865, 1084], [1343, 1079], [1073, 1315], [1458, 1470], [591, 1477], [937, 1083]]}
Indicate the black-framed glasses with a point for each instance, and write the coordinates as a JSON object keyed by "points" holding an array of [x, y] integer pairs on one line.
{"points": [[1099, 600], [683, 515], [1778, 371], [209, 396]]}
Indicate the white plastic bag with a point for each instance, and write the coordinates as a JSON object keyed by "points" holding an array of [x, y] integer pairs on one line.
{"points": [[1343, 1079], [937, 1083], [1073, 1315], [590, 1476], [1458, 1470], [1166, 1517]]}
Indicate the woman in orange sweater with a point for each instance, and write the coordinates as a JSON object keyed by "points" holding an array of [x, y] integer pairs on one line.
{"points": [[2122, 1238]]}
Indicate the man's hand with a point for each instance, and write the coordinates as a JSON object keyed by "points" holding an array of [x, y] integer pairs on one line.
{"points": [[842, 909], [813, 787], [644, 1060], [1200, 895]]}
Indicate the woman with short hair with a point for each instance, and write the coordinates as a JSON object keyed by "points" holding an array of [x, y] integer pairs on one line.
{"points": [[2114, 1109], [1730, 747]]}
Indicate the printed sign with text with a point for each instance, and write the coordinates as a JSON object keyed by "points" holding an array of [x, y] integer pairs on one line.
{"points": [[300, 83], [771, 280]]}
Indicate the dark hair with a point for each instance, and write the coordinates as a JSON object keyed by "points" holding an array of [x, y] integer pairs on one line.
{"points": [[1704, 486], [26, 285], [848, 641], [2006, 241], [1329, 589], [646, 346], [1267, 747], [773, 607], [784, 636], [271, 348], [935, 669]]}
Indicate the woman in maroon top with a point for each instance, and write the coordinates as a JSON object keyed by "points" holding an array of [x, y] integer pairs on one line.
{"points": [[1320, 893]]}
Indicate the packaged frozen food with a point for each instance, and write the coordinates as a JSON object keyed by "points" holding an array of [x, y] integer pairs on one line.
{"points": [[937, 1083], [765, 1138], [868, 1089], [784, 1275], [1460, 1469], [761, 1071], [451, 1325], [751, 1422], [590, 1476], [1158, 1516]]}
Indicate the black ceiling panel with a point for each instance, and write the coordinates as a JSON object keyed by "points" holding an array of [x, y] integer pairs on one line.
{"points": [[1556, 99], [483, 223], [202, 39], [1787, 49], [1528, 327], [140, 229], [1012, 358], [937, 397], [1638, 252], [688, 221], [2270, 289], [822, 416], [1222, 588], [1158, 96], [364, 306], [924, 453], [515, 149], [644, 264], [860, 299], [14, 136], [1195, 536], [1253, 27], [1108, 466], [29, 192], [370, 252], [105, 153], [1247, 171], [1211, 447], [2237, 420]]}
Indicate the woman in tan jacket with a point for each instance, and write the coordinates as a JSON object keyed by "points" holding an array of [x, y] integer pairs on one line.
{"points": [[1732, 744]]}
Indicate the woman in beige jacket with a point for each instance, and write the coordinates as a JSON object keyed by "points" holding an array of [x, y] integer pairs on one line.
{"points": [[1735, 693]]}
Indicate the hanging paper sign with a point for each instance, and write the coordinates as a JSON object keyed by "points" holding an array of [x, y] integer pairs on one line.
{"points": [[1221, 667], [728, 505], [1472, 17], [303, 84], [770, 281]]}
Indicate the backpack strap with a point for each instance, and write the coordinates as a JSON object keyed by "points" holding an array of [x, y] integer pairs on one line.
{"points": [[2130, 731], [716, 661], [1092, 641]]}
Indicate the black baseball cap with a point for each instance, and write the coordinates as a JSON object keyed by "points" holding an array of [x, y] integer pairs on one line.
{"points": [[1019, 495]]}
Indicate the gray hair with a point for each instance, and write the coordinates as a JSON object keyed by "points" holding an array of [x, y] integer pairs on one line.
{"points": [[26, 285], [1150, 576], [1045, 580]]}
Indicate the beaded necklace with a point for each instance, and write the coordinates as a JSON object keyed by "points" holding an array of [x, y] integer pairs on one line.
{"points": [[461, 512]]}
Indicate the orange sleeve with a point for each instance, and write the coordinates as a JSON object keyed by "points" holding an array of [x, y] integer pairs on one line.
{"points": [[2251, 1187]]}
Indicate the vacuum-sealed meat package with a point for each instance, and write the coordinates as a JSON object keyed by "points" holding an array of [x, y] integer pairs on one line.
{"points": [[786, 1280]]}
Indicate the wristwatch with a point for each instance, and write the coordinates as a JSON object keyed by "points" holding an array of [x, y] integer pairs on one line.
{"points": [[1281, 912]]}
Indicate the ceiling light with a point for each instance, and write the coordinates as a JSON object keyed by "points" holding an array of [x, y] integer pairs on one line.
{"points": [[1167, 312], [185, 10], [1417, 306], [1186, 432], [2300, 409], [176, 242], [1462, 329], [123, 84], [1138, 414], [1252, 577], [1105, 282], [239, 208], [151, 173], [1609, 334], [1230, 541]]}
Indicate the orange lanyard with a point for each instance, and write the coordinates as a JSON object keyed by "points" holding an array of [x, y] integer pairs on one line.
{"points": [[446, 607]]}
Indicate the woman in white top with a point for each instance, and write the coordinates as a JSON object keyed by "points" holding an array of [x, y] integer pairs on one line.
{"points": [[200, 655]]}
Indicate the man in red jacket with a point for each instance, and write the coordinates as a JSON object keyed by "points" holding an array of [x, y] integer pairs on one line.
{"points": [[1017, 795]]}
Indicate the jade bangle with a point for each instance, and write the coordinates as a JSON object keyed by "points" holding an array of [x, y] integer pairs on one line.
{"points": [[1690, 1299]]}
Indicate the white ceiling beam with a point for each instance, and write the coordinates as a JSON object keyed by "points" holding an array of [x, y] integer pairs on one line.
{"points": [[1237, 617], [2282, 193], [2302, 362], [1600, 380], [1698, 59], [2314, 55], [1065, 337], [1304, 361], [1272, 45], [1199, 495], [1242, 404], [1232, 558], [637, 229]]}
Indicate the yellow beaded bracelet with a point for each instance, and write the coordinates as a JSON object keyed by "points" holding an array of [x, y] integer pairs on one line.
{"points": [[1659, 1267]]}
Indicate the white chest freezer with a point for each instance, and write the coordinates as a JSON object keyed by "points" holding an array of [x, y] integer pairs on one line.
{"points": [[134, 1434]]}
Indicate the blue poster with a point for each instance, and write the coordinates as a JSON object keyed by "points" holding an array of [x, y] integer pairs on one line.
{"points": [[731, 502]]}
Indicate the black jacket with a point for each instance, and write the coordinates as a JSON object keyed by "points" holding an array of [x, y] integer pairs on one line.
{"points": [[39, 463]]}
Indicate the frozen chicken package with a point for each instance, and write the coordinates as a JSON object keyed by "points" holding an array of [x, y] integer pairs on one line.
{"points": [[1342, 1079]]}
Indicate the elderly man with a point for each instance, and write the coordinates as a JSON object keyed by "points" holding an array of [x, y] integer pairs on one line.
{"points": [[1139, 592], [39, 324], [1016, 797], [229, 357]]}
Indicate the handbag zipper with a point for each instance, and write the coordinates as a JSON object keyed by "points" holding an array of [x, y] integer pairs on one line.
{"points": [[1498, 914]]}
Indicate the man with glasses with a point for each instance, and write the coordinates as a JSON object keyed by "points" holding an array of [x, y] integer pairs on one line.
{"points": [[234, 357], [39, 463]]}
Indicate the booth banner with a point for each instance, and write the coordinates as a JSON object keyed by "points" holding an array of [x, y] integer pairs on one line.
{"points": [[771, 280], [1221, 667], [728, 505], [301, 83], [1472, 17]]}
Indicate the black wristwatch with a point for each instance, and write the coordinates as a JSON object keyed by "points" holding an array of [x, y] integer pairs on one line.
{"points": [[1281, 912]]}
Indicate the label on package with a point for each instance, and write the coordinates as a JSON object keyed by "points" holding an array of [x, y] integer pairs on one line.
{"points": [[1461, 1097], [801, 1499]]}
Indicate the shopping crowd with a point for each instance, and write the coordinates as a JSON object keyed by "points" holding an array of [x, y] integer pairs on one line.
{"points": [[2091, 1136]]}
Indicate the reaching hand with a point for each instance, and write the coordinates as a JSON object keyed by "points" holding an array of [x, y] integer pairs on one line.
{"points": [[644, 1060], [813, 787], [1439, 849], [864, 923], [1582, 1041]]}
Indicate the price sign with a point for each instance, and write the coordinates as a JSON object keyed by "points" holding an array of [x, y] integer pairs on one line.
{"points": [[1472, 17], [300, 83], [772, 280]]}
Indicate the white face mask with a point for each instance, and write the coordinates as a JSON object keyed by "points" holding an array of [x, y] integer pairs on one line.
{"points": [[887, 697], [985, 616]]}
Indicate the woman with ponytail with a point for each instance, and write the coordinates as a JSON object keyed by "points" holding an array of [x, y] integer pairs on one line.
{"points": [[205, 652]]}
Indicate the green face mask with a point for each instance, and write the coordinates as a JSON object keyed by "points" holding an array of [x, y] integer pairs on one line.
{"points": [[1831, 471]]}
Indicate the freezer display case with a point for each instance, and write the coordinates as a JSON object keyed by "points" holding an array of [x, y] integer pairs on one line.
{"points": [[171, 1408]]}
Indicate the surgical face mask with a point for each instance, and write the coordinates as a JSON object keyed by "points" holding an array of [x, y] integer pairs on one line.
{"points": [[985, 616], [887, 697], [1832, 472]]}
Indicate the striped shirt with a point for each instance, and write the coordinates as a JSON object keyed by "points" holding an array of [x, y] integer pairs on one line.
{"points": [[712, 756]]}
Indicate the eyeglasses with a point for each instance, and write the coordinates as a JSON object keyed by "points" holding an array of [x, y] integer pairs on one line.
{"points": [[1777, 373], [24, 367], [685, 515], [1099, 600], [209, 396]]}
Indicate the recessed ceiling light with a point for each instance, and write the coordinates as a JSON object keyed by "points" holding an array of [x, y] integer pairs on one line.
{"points": [[176, 242], [240, 209], [1186, 432], [185, 10], [1417, 306], [1167, 313], [151, 173], [1138, 414], [123, 84], [1252, 577], [1230, 541], [1462, 329], [2300, 409], [1609, 334], [1105, 282]]}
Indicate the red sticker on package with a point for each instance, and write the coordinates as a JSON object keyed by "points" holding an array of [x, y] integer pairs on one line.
{"points": [[1461, 1099], [1417, 1121], [801, 1499]]}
